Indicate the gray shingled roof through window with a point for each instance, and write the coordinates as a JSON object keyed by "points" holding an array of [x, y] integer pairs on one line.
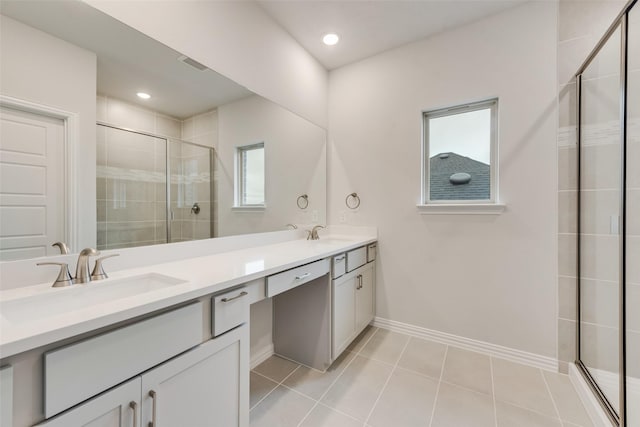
{"points": [[443, 165]]}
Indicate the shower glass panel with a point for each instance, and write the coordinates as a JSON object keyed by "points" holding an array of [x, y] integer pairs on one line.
{"points": [[600, 209], [130, 188], [191, 192], [632, 229]]}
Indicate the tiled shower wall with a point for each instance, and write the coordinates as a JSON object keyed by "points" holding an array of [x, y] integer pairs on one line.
{"points": [[131, 181], [581, 24], [196, 171], [131, 189]]}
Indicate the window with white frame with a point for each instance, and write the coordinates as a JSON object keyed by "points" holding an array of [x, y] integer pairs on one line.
{"points": [[250, 177], [460, 152]]}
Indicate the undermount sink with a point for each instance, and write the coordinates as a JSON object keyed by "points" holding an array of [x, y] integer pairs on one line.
{"points": [[331, 241], [56, 301]]}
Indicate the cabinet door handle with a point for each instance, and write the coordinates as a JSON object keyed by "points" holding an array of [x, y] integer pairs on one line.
{"points": [[154, 398], [359, 285], [240, 295], [303, 276], [338, 259], [133, 405]]}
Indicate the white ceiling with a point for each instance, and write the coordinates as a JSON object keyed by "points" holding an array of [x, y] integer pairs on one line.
{"points": [[128, 61], [368, 27]]}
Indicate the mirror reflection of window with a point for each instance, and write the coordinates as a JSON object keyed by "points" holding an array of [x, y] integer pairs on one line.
{"points": [[459, 143], [251, 175]]}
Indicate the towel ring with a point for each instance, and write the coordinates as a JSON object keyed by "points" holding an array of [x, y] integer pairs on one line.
{"points": [[355, 204], [303, 201]]}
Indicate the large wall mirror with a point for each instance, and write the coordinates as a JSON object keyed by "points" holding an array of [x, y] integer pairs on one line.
{"points": [[201, 157]]}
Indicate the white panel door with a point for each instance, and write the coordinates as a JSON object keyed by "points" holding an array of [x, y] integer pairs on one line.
{"points": [[118, 407], [205, 387], [32, 184]]}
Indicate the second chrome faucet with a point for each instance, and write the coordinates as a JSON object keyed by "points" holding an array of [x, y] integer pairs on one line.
{"points": [[82, 269], [82, 266]]}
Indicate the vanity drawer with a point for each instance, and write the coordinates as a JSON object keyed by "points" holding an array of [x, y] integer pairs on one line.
{"points": [[230, 309], [372, 252], [281, 282], [338, 265], [356, 258], [79, 371]]}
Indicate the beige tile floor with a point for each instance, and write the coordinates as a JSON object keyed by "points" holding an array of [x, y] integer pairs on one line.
{"points": [[386, 379]]}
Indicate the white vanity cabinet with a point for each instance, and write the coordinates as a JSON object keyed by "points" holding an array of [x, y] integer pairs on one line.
{"points": [[6, 396], [118, 407], [156, 372], [353, 296], [365, 296], [207, 386]]}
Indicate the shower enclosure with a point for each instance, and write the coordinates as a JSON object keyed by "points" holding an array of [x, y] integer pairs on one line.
{"points": [[608, 112], [151, 189]]}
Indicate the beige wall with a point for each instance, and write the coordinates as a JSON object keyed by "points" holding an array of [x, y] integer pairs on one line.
{"points": [[238, 40], [42, 69], [489, 278]]}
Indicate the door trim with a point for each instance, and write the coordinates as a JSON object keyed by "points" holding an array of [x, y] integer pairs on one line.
{"points": [[70, 124]]}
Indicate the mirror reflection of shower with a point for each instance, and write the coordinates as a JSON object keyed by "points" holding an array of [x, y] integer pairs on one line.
{"points": [[137, 173]]}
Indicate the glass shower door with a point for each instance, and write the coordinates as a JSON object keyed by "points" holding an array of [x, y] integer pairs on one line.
{"points": [[600, 240], [632, 229], [191, 192], [130, 188]]}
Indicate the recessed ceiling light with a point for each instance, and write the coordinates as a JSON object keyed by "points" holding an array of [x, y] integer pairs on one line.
{"points": [[143, 95], [330, 39]]}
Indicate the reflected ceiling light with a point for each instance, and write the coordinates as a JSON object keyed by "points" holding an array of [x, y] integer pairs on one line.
{"points": [[143, 95], [330, 39]]}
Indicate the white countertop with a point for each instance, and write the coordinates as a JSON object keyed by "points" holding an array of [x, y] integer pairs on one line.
{"points": [[202, 275]]}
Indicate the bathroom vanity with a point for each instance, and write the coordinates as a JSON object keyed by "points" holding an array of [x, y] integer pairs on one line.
{"points": [[178, 353]]}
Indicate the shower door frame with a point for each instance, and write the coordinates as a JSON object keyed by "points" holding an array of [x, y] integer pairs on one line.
{"points": [[620, 22], [167, 140]]}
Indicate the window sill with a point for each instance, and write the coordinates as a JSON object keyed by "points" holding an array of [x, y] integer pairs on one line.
{"points": [[248, 208], [462, 209]]}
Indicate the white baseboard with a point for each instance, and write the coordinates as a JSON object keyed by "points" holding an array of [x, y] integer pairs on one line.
{"points": [[589, 400], [261, 355], [518, 356]]}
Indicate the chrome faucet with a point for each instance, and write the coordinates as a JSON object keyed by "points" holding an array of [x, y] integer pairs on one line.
{"points": [[64, 249], [82, 267], [313, 233]]}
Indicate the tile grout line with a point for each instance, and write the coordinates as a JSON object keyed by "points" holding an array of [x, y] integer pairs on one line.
{"points": [[533, 411], [356, 354], [553, 400], [387, 381], [272, 390], [493, 392], [435, 401]]}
